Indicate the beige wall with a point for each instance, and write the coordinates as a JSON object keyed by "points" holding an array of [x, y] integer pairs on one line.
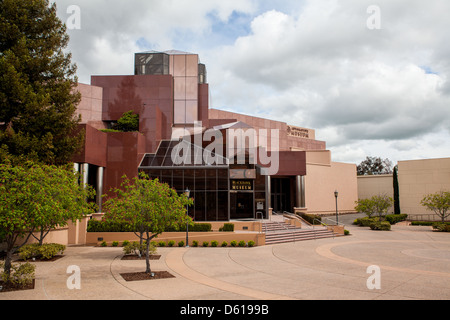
{"points": [[417, 178], [323, 177], [369, 186]]}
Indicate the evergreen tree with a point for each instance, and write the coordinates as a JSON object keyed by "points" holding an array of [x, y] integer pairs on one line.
{"points": [[396, 192], [37, 97]]}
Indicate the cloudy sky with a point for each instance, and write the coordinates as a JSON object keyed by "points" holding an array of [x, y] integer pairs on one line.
{"points": [[371, 76]]}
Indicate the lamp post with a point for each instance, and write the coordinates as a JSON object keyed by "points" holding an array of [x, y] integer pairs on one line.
{"points": [[187, 194], [336, 194]]}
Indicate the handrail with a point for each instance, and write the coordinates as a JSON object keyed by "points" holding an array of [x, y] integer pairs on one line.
{"points": [[323, 224]]}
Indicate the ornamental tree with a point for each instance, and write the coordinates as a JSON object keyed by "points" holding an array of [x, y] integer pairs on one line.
{"points": [[439, 203], [377, 204], [37, 198], [67, 200], [149, 206]]}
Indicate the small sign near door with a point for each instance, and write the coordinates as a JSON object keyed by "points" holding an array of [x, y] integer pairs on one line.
{"points": [[241, 185]]}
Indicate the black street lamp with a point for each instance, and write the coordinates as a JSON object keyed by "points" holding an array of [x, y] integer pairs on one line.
{"points": [[187, 194], [336, 194]]}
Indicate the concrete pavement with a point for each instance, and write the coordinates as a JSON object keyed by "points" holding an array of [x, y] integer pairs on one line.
{"points": [[413, 263]]}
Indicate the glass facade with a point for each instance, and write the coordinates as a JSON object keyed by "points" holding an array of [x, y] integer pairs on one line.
{"points": [[208, 184], [151, 64], [221, 192]]}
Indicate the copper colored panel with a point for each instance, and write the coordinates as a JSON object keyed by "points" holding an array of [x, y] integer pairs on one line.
{"points": [[179, 65], [179, 112], [191, 111], [180, 88], [191, 88], [192, 66]]}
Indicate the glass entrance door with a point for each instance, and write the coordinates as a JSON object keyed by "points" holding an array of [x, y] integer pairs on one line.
{"points": [[241, 205]]}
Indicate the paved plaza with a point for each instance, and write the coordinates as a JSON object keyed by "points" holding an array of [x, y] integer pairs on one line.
{"points": [[410, 263]]}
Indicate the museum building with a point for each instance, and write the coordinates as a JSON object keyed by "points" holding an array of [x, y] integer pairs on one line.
{"points": [[235, 166]]}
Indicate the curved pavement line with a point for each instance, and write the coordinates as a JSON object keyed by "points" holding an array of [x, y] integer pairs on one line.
{"points": [[174, 261], [326, 252]]}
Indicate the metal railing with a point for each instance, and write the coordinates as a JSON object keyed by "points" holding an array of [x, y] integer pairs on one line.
{"points": [[323, 224]]}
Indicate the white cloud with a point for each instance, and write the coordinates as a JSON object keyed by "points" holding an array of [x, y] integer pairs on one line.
{"points": [[310, 63]]}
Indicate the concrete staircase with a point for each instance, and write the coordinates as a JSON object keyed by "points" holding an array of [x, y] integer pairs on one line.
{"points": [[281, 232]]}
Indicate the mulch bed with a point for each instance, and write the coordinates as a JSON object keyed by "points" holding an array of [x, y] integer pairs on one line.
{"points": [[139, 276], [136, 257], [8, 287]]}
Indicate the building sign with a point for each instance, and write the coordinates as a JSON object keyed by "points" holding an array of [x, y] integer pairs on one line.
{"points": [[241, 185], [242, 174], [297, 132]]}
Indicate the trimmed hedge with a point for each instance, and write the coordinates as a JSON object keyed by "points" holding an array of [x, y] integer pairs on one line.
{"points": [[227, 227], [46, 251], [383, 226], [441, 227], [365, 222], [107, 226], [395, 218]]}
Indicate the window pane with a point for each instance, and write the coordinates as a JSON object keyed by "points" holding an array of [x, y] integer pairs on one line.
{"points": [[211, 206], [222, 179], [199, 205], [189, 179], [199, 179], [211, 180], [178, 180], [222, 208]]}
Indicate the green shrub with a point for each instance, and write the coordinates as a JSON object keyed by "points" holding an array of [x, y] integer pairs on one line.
{"points": [[346, 232], [227, 227], [241, 243], [205, 243], [171, 243], [251, 243], [135, 248], [46, 251], [380, 225], [115, 243], [365, 222], [233, 243], [195, 243], [161, 243], [395, 218], [441, 227], [181, 243], [20, 275], [126, 242], [224, 244], [214, 243], [104, 244], [197, 227]]}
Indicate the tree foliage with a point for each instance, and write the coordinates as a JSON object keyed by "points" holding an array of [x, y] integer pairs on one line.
{"points": [[439, 203], [37, 97], [378, 204], [374, 166], [37, 198], [149, 206], [129, 122]]}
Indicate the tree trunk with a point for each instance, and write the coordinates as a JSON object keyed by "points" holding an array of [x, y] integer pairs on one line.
{"points": [[147, 258], [8, 263]]}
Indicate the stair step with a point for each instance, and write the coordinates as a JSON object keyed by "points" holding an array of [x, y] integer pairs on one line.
{"points": [[283, 232]]}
